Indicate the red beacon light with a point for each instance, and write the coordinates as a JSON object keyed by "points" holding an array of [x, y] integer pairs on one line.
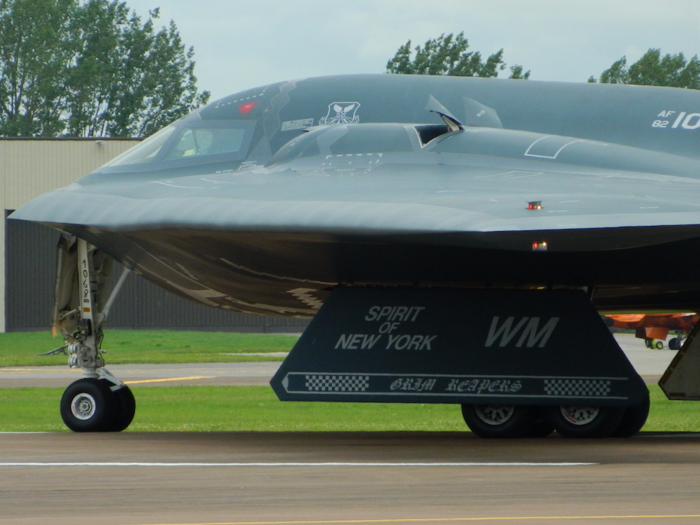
{"points": [[247, 107], [534, 205], [539, 246]]}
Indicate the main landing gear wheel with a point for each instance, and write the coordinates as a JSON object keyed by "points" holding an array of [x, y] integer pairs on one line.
{"points": [[88, 405], [633, 419], [675, 343], [541, 427], [503, 421], [585, 421]]}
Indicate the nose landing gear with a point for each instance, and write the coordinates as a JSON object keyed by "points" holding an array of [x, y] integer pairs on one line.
{"points": [[99, 402], [91, 405]]}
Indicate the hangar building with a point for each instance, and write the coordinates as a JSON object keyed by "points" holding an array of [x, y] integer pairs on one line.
{"points": [[32, 166]]}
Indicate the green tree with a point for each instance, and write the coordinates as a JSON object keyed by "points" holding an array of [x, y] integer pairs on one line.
{"points": [[654, 70], [33, 53], [90, 68], [449, 55]]}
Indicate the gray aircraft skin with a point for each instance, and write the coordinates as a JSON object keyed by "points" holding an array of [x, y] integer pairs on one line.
{"points": [[264, 201]]}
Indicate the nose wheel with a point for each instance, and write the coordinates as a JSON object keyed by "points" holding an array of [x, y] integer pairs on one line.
{"points": [[90, 405], [125, 409]]}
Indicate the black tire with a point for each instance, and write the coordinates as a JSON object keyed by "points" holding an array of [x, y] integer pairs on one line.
{"points": [[633, 419], [541, 427], [659, 345], [676, 343], [499, 421], [585, 422], [125, 408], [88, 405]]}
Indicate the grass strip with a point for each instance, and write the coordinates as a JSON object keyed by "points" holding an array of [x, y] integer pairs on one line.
{"points": [[150, 346], [253, 408]]}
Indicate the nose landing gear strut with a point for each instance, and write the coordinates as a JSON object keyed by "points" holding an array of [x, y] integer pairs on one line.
{"points": [[99, 402]]}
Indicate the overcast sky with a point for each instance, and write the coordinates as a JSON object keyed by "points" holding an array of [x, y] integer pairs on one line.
{"points": [[244, 44]]}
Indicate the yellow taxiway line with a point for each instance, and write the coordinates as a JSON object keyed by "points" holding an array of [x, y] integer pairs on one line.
{"points": [[167, 379]]}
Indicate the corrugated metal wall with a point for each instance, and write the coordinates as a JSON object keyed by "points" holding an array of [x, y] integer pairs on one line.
{"points": [[30, 271], [30, 167]]}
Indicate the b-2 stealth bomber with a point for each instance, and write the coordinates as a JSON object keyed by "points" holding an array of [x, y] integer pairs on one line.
{"points": [[455, 240]]}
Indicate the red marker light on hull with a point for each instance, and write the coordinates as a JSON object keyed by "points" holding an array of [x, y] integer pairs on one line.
{"points": [[247, 107], [539, 246]]}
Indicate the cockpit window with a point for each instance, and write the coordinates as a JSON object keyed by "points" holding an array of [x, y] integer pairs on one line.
{"points": [[206, 141], [190, 141], [146, 151]]}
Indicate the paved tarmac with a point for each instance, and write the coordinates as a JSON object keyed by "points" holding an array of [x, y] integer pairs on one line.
{"points": [[359, 478], [650, 364], [221, 374]]}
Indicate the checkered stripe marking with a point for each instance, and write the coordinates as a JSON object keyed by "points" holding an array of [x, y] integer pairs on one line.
{"points": [[577, 387], [337, 383]]}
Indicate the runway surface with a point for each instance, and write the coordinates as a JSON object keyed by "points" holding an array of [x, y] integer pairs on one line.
{"points": [[360, 478], [338, 478], [216, 374]]}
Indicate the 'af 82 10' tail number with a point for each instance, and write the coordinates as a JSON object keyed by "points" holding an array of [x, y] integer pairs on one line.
{"points": [[676, 120]]}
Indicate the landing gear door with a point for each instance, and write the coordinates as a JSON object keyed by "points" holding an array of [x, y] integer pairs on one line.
{"points": [[422, 345]]}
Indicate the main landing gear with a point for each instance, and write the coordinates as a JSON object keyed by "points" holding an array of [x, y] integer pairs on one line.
{"points": [[506, 421], [99, 402], [675, 343], [511, 421]]}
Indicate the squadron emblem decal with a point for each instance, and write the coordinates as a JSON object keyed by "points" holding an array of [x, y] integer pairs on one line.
{"points": [[341, 113]]}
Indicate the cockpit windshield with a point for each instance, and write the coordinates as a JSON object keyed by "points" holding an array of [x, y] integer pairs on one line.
{"points": [[146, 151], [200, 142], [189, 141]]}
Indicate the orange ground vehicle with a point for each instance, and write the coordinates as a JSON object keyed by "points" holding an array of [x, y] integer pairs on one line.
{"points": [[654, 328]]}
